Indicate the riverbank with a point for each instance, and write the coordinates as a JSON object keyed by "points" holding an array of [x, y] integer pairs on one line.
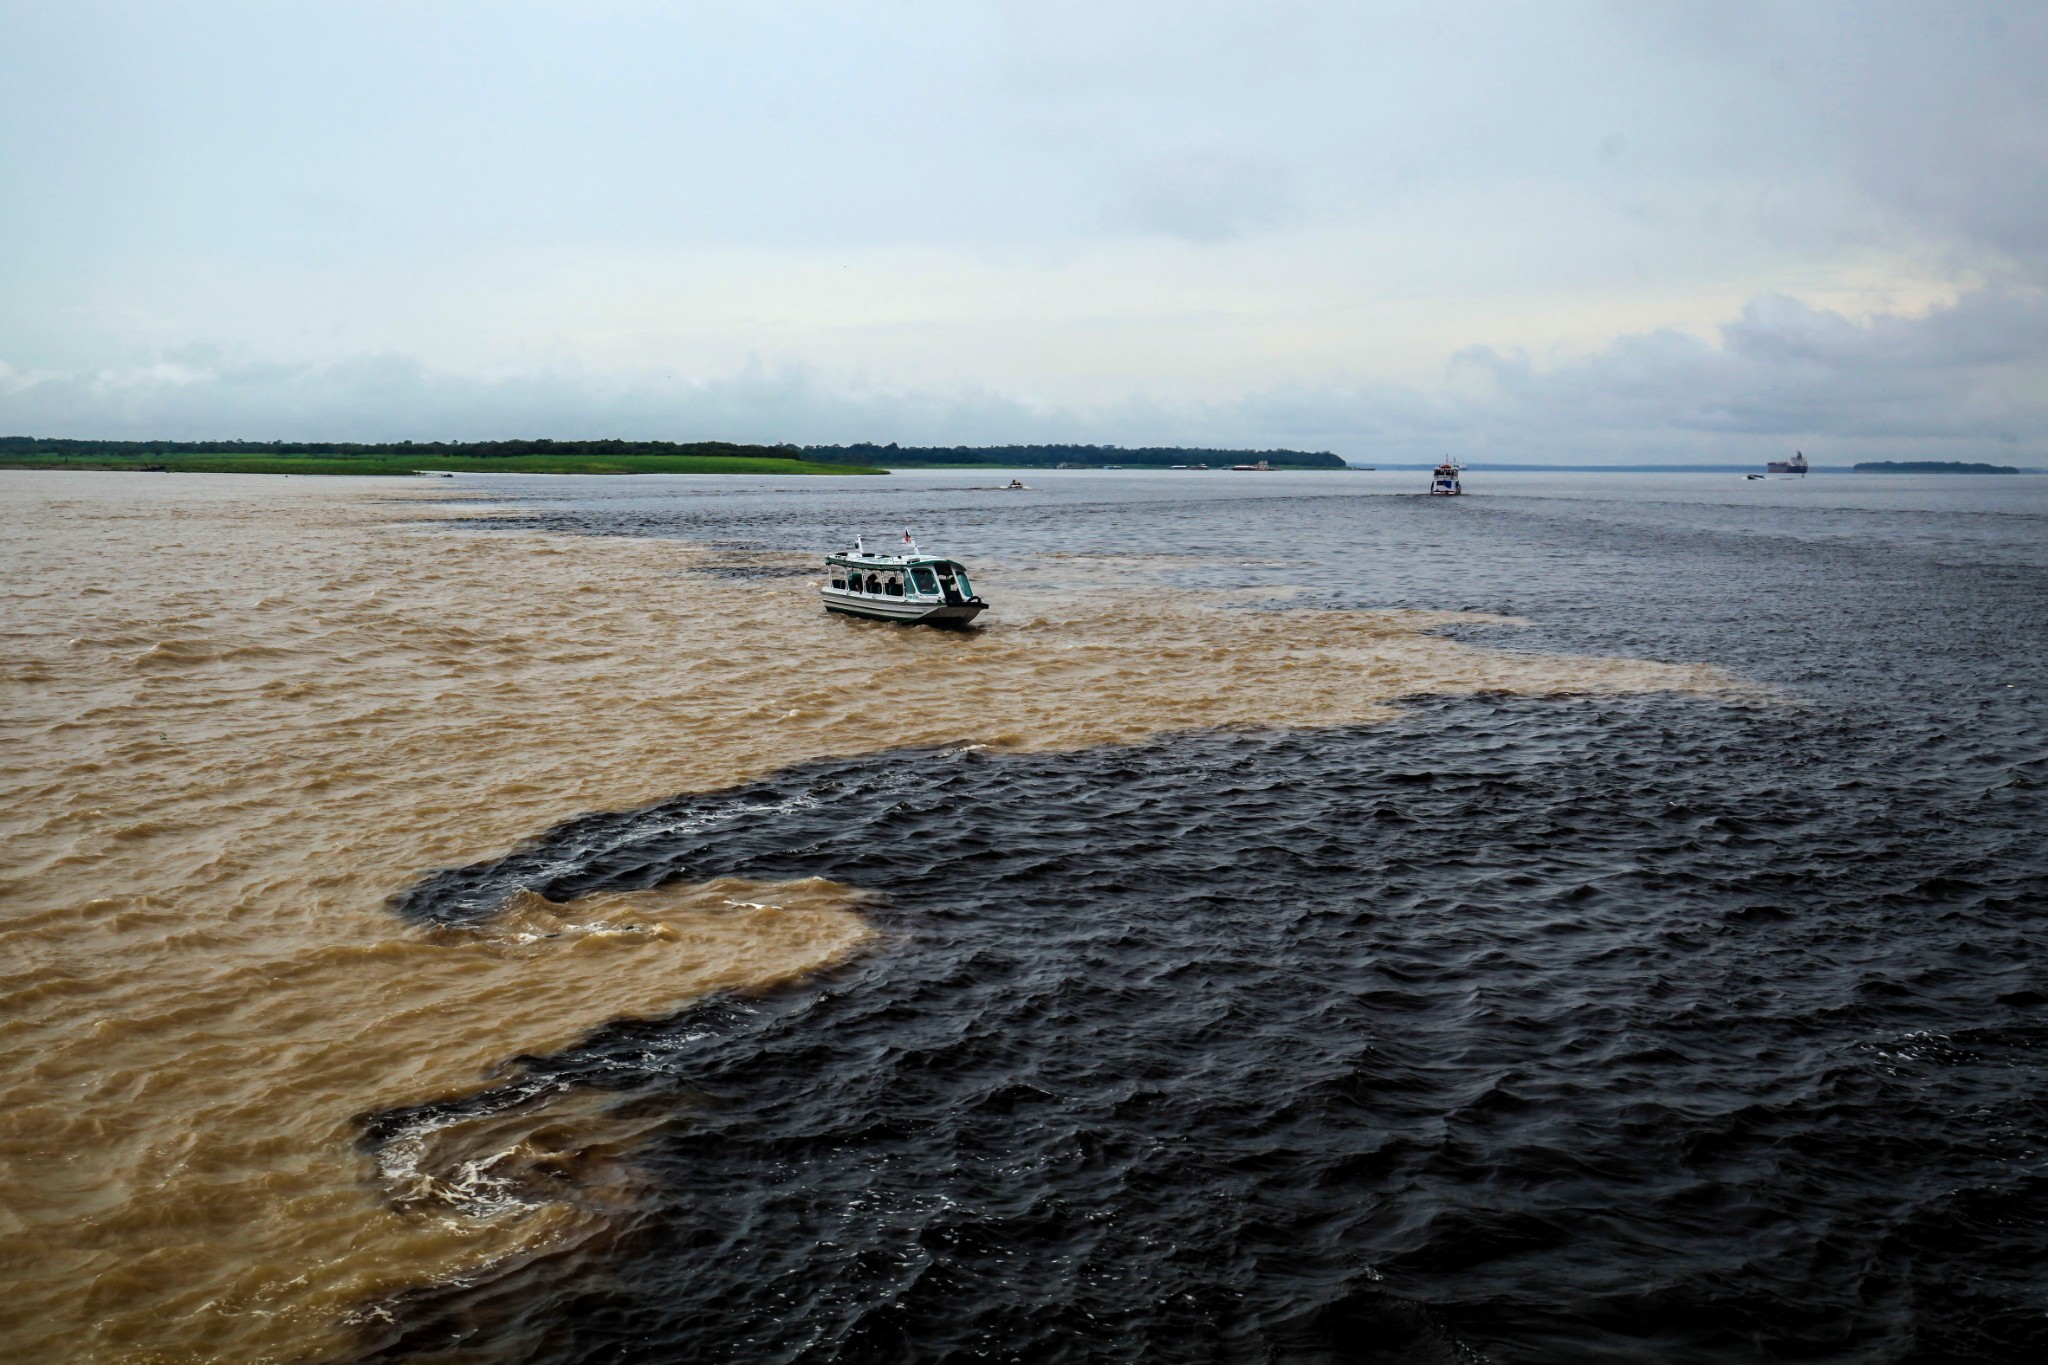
{"points": [[389, 465]]}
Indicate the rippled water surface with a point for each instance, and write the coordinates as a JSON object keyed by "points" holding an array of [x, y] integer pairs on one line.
{"points": [[1225, 955]]}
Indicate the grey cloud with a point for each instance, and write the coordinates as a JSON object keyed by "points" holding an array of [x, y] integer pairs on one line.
{"points": [[1208, 196], [1967, 381], [1936, 111], [390, 397], [1987, 327], [323, 179], [1973, 376], [1953, 130]]}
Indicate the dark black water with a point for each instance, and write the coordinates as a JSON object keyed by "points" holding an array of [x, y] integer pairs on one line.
{"points": [[1621, 1029]]}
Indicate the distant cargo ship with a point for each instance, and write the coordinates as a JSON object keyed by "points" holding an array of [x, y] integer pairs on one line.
{"points": [[1795, 465]]}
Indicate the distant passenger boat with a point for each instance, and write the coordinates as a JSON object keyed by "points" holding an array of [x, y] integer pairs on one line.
{"points": [[1444, 482], [912, 588], [1252, 468], [1795, 465]]}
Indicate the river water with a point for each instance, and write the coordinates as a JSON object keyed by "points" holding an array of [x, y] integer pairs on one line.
{"points": [[1593, 919]]}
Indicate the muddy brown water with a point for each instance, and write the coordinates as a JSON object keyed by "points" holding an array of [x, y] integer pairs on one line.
{"points": [[240, 714]]}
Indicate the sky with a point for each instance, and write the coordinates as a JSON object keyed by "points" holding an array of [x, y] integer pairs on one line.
{"points": [[1629, 232]]}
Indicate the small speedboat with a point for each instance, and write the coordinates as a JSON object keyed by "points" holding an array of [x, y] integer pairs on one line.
{"points": [[1015, 485], [1444, 482], [909, 587]]}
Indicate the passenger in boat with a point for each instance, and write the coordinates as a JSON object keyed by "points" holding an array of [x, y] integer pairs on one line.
{"points": [[874, 583], [894, 586]]}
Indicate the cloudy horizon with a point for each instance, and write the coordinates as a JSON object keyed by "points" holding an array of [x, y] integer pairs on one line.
{"points": [[1600, 233]]}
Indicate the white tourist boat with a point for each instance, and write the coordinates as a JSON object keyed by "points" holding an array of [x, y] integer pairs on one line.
{"points": [[1444, 482], [910, 586]]}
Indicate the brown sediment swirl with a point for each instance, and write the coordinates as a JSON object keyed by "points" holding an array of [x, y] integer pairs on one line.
{"points": [[240, 713]]}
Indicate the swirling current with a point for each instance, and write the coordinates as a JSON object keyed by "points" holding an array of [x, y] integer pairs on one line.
{"points": [[1529, 1010]]}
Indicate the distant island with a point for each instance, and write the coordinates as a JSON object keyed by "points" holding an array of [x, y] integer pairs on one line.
{"points": [[413, 457], [1076, 457], [1931, 467]]}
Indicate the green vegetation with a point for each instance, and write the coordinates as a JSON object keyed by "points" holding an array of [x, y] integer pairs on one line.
{"points": [[371, 464], [604, 457], [1081, 457], [1931, 467], [408, 457]]}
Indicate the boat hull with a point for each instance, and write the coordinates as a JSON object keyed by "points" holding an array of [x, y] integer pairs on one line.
{"points": [[903, 613]]}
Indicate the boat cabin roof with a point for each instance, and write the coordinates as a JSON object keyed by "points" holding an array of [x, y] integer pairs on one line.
{"points": [[868, 559]]}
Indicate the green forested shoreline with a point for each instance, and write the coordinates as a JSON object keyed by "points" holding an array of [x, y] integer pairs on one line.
{"points": [[601, 457], [1080, 456], [1931, 467], [411, 457]]}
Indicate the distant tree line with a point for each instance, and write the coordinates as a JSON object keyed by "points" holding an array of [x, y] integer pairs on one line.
{"points": [[863, 453], [1931, 467], [40, 445], [1092, 457]]}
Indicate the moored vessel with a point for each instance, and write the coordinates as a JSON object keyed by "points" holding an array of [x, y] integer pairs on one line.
{"points": [[909, 587]]}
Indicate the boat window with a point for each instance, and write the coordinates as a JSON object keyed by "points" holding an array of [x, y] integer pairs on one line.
{"points": [[960, 576], [894, 587], [839, 578], [874, 583], [926, 584]]}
